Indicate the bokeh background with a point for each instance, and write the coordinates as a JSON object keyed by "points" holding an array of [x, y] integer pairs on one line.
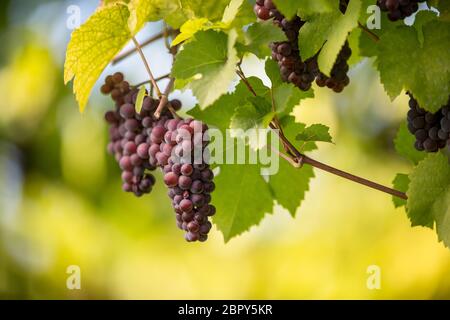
{"points": [[61, 202]]}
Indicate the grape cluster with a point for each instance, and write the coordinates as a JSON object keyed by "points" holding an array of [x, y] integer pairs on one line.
{"points": [[338, 79], [187, 175], [399, 9], [432, 130], [141, 143], [128, 136], [287, 54]]}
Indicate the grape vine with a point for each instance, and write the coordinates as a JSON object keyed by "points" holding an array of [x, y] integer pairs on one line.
{"points": [[304, 44]]}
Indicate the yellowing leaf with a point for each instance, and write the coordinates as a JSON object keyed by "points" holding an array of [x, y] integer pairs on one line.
{"points": [[142, 11], [140, 98], [231, 11], [93, 46], [189, 28]]}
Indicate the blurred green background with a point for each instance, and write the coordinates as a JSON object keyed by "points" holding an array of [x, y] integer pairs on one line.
{"points": [[61, 202]]}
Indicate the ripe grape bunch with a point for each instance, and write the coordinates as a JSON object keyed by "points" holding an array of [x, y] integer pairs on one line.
{"points": [[399, 9], [141, 143], [432, 130], [286, 53], [292, 68]]}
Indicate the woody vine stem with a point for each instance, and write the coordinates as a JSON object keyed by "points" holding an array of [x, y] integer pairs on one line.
{"points": [[293, 155]]}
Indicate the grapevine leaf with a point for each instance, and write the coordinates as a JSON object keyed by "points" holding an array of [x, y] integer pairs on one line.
{"points": [[142, 11], [257, 85], [235, 16], [368, 46], [231, 11], [189, 28], [273, 72], [140, 98], [298, 178], [337, 36], [210, 60], [353, 41], [421, 19], [92, 47], [404, 64], [291, 129], [400, 183], [244, 16], [315, 132], [253, 115], [258, 37], [304, 7], [212, 10], [429, 195], [404, 144], [290, 184], [314, 33], [219, 114], [242, 198]]}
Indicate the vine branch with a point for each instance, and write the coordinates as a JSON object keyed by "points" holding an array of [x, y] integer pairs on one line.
{"points": [[164, 98], [149, 81], [129, 52], [298, 159], [164, 101], [149, 71]]}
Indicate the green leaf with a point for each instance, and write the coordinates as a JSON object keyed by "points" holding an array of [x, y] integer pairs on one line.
{"points": [[315, 32], [400, 183], [210, 60], [212, 10], [289, 185], [404, 144], [140, 98], [235, 16], [142, 11], [259, 36], [291, 129], [304, 8], [315, 132], [92, 46], [253, 115], [219, 114], [422, 18], [242, 198], [423, 70], [337, 36], [244, 16], [257, 85], [429, 195]]}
